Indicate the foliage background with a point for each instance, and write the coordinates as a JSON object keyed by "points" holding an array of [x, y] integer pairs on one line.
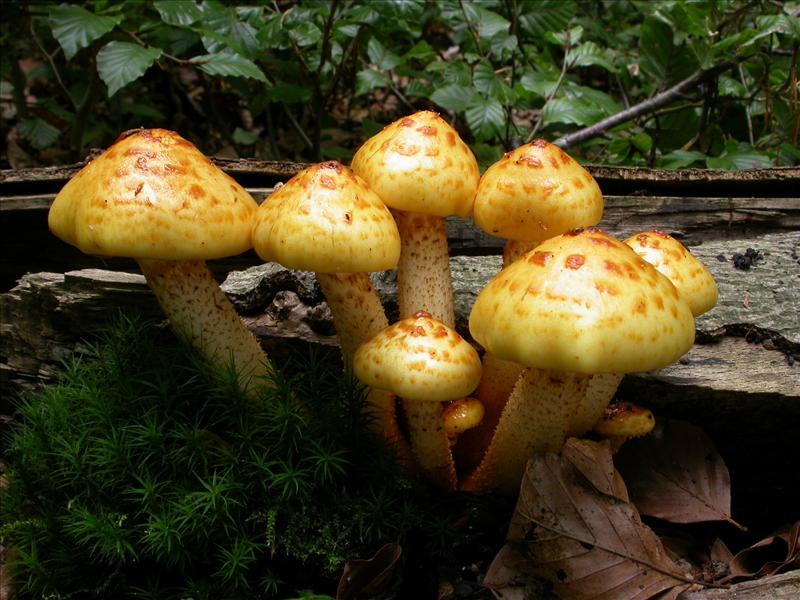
{"points": [[310, 80]]}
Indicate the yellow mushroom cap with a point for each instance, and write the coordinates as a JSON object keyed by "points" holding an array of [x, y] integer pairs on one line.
{"points": [[153, 195], [419, 358], [583, 302], [327, 219], [461, 415], [536, 192], [693, 280], [625, 419], [420, 164]]}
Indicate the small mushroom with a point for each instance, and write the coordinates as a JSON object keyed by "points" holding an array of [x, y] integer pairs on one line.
{"points": [[577, 305], [461, 415], [154, 197], [424, 172], [671, 258], [326, 219], [622, 421], [426, 363]]}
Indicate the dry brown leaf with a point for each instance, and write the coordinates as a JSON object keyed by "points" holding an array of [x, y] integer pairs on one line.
{"points": [[363, 578], [676, 474], [590, 544], [777, 552]]}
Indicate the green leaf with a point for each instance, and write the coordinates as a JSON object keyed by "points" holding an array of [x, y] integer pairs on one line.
{"points": [[287, 93], [421, 51], [178, 12], [680, 159], [382, 57], [140, 109], [245, 138], [655, 45], [229, 64], [305, 34], [75, 27], [739, 157], [569, 37], [570, 110], [541, 16], [453, 97], [38, 132], [538, 83], [642, 142], [489, 84], [590, 54], [120, 63], [490, 23], [369, 79], [485, 117], [221, 28]]}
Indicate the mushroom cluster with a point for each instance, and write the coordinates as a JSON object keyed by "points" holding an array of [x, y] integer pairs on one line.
{"points": [[570, 313]]}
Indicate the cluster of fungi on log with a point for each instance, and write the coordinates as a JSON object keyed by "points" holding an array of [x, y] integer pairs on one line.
{"points": [[571, 311]]}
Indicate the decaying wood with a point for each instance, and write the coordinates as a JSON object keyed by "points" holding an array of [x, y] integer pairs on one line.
{"points": [[775, 587], [45, 316]]}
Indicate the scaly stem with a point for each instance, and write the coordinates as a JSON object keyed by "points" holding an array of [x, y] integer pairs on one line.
{"points": [[429, 442], [202, 317]]}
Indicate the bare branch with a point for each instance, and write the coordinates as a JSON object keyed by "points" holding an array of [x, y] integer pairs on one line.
{"points": [[670, 95]]}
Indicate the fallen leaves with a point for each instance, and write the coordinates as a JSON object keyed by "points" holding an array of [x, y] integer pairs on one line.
{"points": [[578, 526], [676, 474], [578, 530]]}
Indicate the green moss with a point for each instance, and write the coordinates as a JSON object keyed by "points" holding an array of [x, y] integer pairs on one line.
{"points": [[144, 474]]}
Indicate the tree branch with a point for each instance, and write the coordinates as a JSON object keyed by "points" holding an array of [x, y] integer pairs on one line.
{"points": [[649, 105]]}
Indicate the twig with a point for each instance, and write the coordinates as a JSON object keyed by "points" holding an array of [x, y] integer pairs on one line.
{"points": [[475, 37], [747, 107], [552, 94], [656, 102]]}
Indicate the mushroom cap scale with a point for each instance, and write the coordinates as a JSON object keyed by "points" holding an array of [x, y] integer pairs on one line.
{"points": [[153, 195], [420, 164], [326, 219], [671, 258], [583, 302], [419, 358], [536, 192]]}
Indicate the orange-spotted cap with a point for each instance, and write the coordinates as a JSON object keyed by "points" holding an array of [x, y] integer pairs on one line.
{"points": [[420, 164], [153, 195], [327, 219], [419, 358], [584, 302], [536, 192], [625, 419], [673, 260]]}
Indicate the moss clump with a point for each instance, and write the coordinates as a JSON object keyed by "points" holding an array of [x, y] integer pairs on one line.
{"points": [[144, 474]]}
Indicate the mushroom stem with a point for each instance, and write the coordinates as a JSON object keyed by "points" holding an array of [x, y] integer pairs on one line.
{"points": [[514, 249], [423, 273], [429, 442], [355, 307], [497, 381], [536, 419], [201, 316], [357, 316], [600, 389]]}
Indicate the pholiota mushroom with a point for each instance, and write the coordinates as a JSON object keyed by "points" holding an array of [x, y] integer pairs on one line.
{"points": [[578, 305], [154, 197], [531, 194], [674, 261], [327, 220], [622, 421], [460, 416], [422, 170], [426, 363]]}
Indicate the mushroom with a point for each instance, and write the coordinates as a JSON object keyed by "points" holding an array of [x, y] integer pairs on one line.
{"points": [[579, 304], [622, 421], [693, 280], [421, 169], [461, 415], [326, 219], [154, 197], [425, 362], [533, 193]]}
